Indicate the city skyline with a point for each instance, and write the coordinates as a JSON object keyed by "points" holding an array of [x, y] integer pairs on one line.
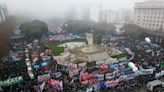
{"points": [[59, 8]]}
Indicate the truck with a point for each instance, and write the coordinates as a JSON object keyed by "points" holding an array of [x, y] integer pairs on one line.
{"points": [[155, 86]]}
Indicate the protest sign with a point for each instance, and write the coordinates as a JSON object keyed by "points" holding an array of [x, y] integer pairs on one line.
{"points": [[56, 84], [11, 81], [145, 71], [100, 77], [44, 77], [110, 75], [112, 83], [73, 72]]}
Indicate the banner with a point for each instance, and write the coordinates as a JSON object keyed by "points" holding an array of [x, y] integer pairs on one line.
{"points": [[11, 81], [101, 85], [36, 67], [100, 77], [44, 64], [112, 83], [104, 66], [162, 64], [73, 72], [113, 66], [110, 75], [130, 76], [44, 77], [85, 77], [56, 84], [56, 74], [145, 71]]}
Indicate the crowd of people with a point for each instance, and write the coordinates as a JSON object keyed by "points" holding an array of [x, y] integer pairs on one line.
{"points": [[47, 71], [14, 66]]}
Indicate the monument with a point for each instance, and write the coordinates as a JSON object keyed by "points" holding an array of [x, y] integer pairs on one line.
{"points": [[89, 53]]}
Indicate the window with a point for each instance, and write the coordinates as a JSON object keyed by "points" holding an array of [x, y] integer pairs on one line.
{"points": [[155, 13]]}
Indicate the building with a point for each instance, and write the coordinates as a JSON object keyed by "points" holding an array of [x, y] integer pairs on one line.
{"points": [[95, 11], [3, 11], [149, 14], [71, 13], [109, 16], [117, 16]]}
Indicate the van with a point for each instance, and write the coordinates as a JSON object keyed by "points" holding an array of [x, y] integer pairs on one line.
{"points": [[154, 86]]}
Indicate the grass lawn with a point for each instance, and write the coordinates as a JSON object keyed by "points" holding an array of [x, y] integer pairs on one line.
{"points": [[58, 50], [55, 49], [120, 56]]}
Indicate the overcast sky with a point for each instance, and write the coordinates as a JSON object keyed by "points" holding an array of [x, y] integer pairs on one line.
{"points": [[56, 7]]}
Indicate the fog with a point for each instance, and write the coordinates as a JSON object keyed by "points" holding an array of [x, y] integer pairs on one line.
{"points": [[59, 8]]}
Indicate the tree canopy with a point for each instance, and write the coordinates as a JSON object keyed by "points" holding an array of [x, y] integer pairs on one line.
{"points": [[134, 31], [83, 26], [34, 29], [77, 26]]}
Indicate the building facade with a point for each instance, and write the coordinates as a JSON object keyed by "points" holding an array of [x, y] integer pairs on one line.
{"points": [[149, 14]]}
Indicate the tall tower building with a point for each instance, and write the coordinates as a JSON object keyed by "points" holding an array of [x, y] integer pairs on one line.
{"points": [[94, 12], [3, 12]]}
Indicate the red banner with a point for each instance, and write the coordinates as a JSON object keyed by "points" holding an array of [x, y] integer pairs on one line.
{"points": [[86, 77], [56, 84]]}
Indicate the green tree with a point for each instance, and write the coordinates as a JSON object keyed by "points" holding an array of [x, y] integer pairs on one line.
{"points": [[77, 26], [83, 26], [34, 29], [134, 31]]}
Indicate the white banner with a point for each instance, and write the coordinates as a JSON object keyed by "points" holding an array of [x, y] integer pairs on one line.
{"points": [[44, 77]]}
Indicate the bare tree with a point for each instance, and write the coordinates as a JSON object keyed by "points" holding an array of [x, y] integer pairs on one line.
{"points": [[6, 28]]}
